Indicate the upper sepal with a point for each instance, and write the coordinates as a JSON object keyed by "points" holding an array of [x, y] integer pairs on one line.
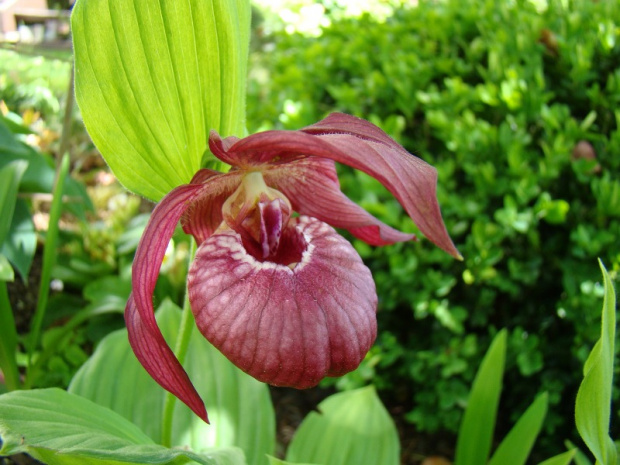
{"points": [[363, 146]]}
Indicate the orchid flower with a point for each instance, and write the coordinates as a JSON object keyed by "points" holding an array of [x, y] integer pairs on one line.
{"points": [[285, 298]]}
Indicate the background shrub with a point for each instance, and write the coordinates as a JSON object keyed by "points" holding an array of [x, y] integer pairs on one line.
{"points": [[516, 104]]}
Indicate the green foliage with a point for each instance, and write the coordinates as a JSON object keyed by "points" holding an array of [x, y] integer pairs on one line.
{"points": [[60, 428], [350, 427], [239, 407], [517, 108]]}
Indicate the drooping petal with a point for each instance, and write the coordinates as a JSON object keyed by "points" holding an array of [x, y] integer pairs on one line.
{"points": [[145, 336], [311, 184], [160, 362], [288, 324], [204, 215], [361, 145]]}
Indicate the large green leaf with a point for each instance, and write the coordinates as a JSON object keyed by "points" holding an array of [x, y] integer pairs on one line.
{"points": [[518, 443], [476, 430], [61, 428], [239, 407], [593, 406], [153, 77], [351, 427]]}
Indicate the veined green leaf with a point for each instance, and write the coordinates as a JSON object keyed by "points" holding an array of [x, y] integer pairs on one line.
{"points": [[59, 428], [593, 405], [476, 431], [352, 427], [518, 443], [239, 407], [153, 77]]}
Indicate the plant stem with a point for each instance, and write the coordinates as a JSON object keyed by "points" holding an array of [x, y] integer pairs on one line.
{"points": [[49, 258], [8, 344], [180, 350]]}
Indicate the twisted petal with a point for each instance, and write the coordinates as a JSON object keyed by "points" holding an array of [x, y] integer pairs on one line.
{"points": [[312, 186], [286, 325], [361, 145], [204, 215], [145, 336]]}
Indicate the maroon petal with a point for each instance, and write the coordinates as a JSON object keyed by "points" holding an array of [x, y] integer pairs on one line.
{"points": [[145, 337], [311, 184], [286, 324], [219, 147], [204, 215], [363, 146]]}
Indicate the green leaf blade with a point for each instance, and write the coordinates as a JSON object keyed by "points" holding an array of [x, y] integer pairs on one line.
{"points": [[478, 424], [517, 445], [561, 459], [593, 404], [352, 427]]}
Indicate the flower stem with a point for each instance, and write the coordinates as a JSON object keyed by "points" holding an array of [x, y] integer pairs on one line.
{"points": [[180, 350]]}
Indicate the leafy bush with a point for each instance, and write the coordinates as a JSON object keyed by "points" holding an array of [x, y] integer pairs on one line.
{"points": [[517, 107]]}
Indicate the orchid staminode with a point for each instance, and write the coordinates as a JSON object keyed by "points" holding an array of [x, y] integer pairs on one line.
{"points": [[285, 298]]}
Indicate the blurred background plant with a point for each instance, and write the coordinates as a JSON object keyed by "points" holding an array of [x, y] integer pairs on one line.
{"points": [[515, 103]]}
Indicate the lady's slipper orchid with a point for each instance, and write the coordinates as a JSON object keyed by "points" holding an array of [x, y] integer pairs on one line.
{"points": [[284, 297]]}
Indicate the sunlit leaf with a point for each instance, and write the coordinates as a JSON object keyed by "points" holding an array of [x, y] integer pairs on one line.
{"points": [[350, 427], [153, 77], [239, 407], [61, 428]]}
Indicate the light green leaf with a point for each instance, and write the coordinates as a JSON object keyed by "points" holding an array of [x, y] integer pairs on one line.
{"points": [[518, 443], [239, 407], [561, 459], [61, 428], [352, 427], [476, 431], [153, 77], [593, 406]]}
